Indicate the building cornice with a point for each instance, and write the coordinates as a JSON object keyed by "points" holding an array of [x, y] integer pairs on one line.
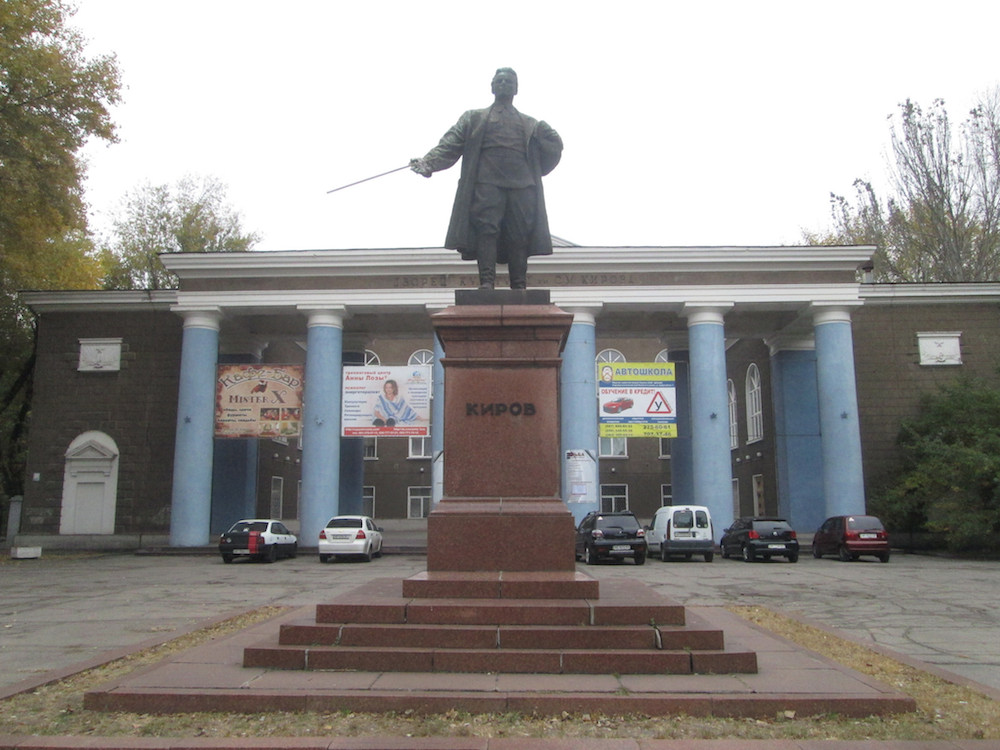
{"points": [[418, 261], [971, 292]]}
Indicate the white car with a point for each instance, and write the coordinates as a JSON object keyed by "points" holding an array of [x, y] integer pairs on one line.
{"points": [[258, 539], [350, 535]]}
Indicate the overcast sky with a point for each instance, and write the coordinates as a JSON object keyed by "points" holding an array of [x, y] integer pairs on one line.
{"points": [[684, 123]]}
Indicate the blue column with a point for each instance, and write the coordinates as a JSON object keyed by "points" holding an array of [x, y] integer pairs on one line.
{"points": [[681, 455], [191, 501], [352, 458], [797, 442], [713, 483], [437, 422], [843, 477], [578, 415], [321, 423]]}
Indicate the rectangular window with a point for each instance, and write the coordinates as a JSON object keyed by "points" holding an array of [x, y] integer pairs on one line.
{"points": [[371, 449], [666, 494], [277, 491], [736, 498], [614, 497], [614, 447], [665, 448], [420, 447], [368, 500], [418, 502]]}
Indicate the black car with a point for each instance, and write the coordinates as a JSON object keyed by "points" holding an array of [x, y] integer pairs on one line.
{"points": [[610, 536], [760, 538]]}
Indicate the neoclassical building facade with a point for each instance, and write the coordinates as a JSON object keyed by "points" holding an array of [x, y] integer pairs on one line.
{"points": [[793, 372]]}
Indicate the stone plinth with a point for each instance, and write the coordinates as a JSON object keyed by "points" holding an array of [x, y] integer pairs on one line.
{"points": [[501, 509]]}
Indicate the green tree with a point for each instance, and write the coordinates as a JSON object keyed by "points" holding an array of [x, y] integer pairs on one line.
{"points": [[52, 100], [950, 478], [192, 217], [940, 219]]}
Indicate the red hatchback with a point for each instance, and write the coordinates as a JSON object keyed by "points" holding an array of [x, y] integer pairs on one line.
{"points": [[849, 537]]}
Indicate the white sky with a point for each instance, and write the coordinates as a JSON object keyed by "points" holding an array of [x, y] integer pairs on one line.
{"points": [[685, 123]]}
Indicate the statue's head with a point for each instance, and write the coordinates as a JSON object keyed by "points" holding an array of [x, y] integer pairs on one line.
{"points": [[504, 82]]}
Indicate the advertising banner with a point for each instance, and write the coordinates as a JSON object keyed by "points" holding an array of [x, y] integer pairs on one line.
{"points": [[637, 399], [386, 401], [258, 401]]}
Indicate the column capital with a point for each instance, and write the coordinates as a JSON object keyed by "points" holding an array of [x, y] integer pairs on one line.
{"points": [[710, 312], [331, 316], [832, 312], [204, 317]]}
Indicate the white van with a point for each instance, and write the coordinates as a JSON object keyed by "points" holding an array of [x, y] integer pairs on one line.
{"points": [[681, 530]]}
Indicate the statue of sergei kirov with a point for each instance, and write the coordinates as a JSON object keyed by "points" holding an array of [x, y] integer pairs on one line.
{"points": [[499, 212]]}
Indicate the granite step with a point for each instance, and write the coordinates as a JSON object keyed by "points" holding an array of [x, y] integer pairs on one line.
{"points": [[502, 636], [499, 661]]}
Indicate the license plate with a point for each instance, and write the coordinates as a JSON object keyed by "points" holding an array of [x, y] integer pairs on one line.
{"points": [[869, 536], [622, 547], [679, 534], [776, 546], [340, 537], [241, 552]]}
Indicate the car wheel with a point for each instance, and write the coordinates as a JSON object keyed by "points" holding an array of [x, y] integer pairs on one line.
{"points": [[589, 557], [378, 552], [793, 558], [227, 559], [640, 558], [368, 555], [844, 554], [709, 556], [748, 554], [271, 553], [816, 552], [664, 557], [725, 552], [884, 557], [324, 558]]}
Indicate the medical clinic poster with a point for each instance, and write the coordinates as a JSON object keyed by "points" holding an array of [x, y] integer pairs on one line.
{"points": [[636, 399], [258, 401], [386, 401]]}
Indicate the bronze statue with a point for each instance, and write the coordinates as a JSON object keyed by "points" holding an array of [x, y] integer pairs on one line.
{"points": [[499, 212]]}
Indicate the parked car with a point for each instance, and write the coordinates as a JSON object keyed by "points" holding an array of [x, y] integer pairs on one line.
{"points": [[760, 538], [618, 405], [355, 536], [610, 536], [257, 539], [849, 537], [681, 530]]}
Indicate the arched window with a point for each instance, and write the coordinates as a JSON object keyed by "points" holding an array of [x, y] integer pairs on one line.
{"points": [[734, 425], [371, 358], [421, 357], [755, 410]]}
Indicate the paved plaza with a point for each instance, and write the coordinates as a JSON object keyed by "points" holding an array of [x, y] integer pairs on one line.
{"points": [[64, 609]]}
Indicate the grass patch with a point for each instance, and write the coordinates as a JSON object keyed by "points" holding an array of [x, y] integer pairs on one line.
{"points": [[944, 711]]}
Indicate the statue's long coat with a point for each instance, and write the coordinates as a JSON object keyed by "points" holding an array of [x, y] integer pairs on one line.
{"points": [[465, 140]]}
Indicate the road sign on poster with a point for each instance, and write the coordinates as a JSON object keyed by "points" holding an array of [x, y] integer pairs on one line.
{"points": [[637, 399], [386, 401], [258, 401]]}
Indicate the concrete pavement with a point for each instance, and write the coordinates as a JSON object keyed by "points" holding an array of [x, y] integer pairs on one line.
{"points": [[62, 609]]}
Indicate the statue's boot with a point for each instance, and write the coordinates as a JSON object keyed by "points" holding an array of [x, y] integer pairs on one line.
{"points": [[486, 258]]}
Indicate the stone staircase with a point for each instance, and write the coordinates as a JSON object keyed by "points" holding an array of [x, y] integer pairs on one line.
{"points": [[379, 628]]}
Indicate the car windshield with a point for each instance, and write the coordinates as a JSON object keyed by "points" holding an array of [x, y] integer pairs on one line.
{"points": [[863, 523], [626, 523], [242, 527], [683, 519], [771, 526], [344, 523]]}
